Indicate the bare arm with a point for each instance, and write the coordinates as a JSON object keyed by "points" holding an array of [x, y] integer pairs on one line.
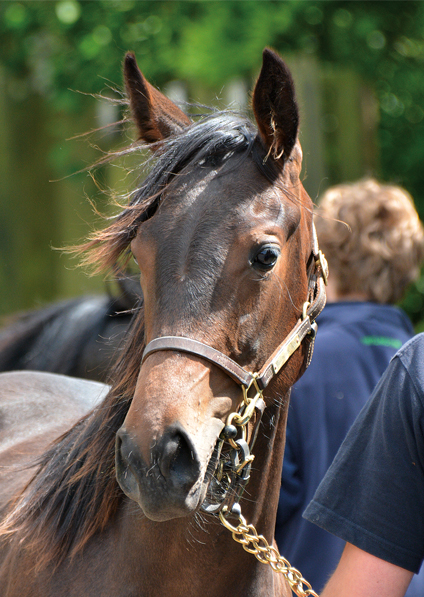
{"points": [[359, 574]]}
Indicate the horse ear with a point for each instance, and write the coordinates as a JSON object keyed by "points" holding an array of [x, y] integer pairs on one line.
{"points": [[156, 116], [275, 107]]}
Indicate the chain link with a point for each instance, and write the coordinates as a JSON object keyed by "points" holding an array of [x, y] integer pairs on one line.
{"points": [[257, 545], [246, 534]]}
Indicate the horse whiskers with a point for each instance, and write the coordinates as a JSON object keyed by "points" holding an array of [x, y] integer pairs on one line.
{"points": [[197, 526], [135, 510], [149, 470], [193, 529], [201, 519], [286, 291], [279, 401]]}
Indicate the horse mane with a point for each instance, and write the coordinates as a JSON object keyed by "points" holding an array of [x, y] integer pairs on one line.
{"points": [[73, 493], [215, 137]]}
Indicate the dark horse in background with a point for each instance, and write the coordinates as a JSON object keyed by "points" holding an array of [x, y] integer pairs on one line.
{"points": [[79, 337], [133, 485]]}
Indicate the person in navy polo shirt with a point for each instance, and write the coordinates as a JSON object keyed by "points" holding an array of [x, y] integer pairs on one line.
{"points": [[374, 243]]}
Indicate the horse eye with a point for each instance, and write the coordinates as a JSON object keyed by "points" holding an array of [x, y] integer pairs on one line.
{"points": [[266, 258]]}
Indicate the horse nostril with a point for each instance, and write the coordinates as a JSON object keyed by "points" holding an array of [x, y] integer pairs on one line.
{"points": [[174, 456], [118, 445], [127, 473], [177, 458], [127, 455], [118, 441], [122, 449]]}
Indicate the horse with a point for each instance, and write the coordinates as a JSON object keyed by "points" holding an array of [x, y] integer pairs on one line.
{"points": [[148, 488], [78, 337]]}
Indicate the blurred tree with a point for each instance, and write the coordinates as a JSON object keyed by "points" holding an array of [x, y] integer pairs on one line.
{"points": [[46, 46]]}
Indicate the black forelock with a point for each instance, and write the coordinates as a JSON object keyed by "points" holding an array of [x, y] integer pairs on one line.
{"points": [[207, 142]]}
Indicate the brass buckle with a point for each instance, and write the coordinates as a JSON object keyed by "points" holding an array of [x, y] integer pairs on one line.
{"points": [[322, 261], [246, 389], [247, 407], [305, 307]]}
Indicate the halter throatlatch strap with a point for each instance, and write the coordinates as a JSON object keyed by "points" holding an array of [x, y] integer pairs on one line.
{"points": [[303, 331]]}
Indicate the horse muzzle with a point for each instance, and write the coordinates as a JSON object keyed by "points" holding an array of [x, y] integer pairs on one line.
{"points": [[171, 484]]}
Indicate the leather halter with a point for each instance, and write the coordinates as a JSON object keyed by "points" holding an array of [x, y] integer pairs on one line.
{"points": [[304, 330]]}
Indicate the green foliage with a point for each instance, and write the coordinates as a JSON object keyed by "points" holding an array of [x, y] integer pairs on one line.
{"points": [[47, 47]]}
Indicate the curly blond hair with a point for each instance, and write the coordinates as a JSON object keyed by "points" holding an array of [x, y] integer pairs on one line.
{"points": [[372, 237]]}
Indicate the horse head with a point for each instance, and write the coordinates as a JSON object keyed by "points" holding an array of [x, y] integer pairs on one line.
{"points": [[224, 253]]}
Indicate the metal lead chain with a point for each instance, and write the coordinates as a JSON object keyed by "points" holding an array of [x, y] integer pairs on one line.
{"points": [[241, 458], [257, 545]]}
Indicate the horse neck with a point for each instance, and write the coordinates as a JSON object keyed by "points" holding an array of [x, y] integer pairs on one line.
{"points": [[207, 559]]}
